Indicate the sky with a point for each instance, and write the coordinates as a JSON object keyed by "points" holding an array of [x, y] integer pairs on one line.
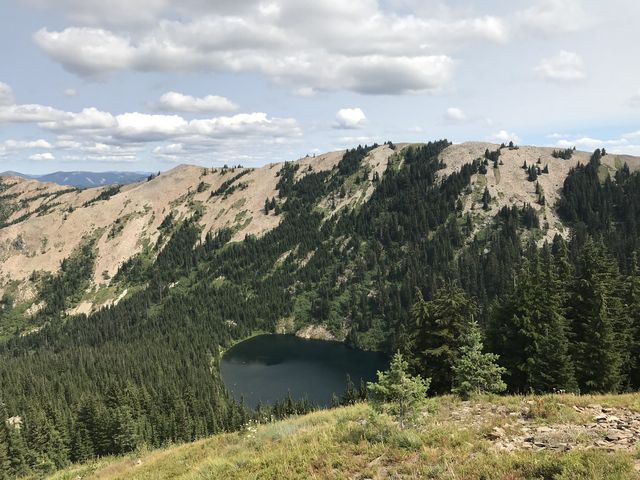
{"points": [[145, 85]]}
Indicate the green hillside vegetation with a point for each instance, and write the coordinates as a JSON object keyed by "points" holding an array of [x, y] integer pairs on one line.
{"points": [[405, 271], [453, 440]]}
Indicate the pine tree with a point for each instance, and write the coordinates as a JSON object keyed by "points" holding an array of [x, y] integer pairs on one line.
{"points": [[632, 304], [398, 390], [442, 325], [17, 451], [486, 198], [350, 396], [4, 453], [475, 372], [597, 352], [529, 330]]}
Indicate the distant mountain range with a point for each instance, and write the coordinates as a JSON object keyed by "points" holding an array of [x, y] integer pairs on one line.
{"points": [[84, 179]]}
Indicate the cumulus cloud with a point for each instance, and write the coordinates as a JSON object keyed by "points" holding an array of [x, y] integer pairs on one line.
{"points": [[178, 102], [327, 45], [47, 156], [11, 146], [555, 16], [29, 113], [563, 67], [142, 127], [96, 135], [350, 118], [454, 114], [504, 136]]}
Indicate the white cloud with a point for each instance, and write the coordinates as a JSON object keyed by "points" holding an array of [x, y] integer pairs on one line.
{"points": [[454, 114], [349, 142], [305, 92], [47, 156], [634, 100], [29, 113], [86, 51], [26, 144], [115, 11], [88, 119], [327, 45], [70, 92], [95, 135], [503, 136], [563, 67], [557, 136], [350, 118], [632, 135], [628, 143], [10, 146], [555, 16], [6, 94], [178, 102]]}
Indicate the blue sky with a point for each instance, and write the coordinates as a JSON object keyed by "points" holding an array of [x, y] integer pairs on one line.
{"points": [[148, 84]]}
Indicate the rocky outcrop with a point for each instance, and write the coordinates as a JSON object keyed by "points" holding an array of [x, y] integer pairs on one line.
{"points": [[609, 429], [318, 332]]}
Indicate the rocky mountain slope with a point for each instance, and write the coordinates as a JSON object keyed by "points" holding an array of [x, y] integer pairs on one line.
{"points": [[41, 224]]}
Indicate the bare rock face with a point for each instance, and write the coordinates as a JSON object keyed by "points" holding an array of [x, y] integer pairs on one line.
{"points": [[318, 332]]}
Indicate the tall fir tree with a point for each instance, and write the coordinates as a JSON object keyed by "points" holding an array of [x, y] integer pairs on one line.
{"points": [[597, 349], [632, 305], [442, 326], [529, 331]]}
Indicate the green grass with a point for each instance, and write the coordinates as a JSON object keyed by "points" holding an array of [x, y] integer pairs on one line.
{"points": [[353, 442]]}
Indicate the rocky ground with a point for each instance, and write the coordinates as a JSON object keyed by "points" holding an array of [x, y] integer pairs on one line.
{"points": [[553, 425]]}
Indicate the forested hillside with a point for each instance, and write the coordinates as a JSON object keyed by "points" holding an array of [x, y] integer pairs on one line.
{"points": [[407, 257]]}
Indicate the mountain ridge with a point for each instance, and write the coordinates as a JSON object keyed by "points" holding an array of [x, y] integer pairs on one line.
{"points": [[82, 179], [46, 222]]}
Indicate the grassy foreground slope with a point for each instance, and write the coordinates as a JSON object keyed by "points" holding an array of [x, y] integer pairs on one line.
{"points": [[533, 437]]}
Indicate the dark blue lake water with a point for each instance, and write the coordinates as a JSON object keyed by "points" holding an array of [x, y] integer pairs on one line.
{"points": [[266, 368]]}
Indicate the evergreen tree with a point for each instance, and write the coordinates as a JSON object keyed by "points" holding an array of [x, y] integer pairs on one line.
{"points": [[442, 326], [529, 330], [597, 349], [632, 304], [486, 198], [350, 396], [396, 389], [475, 372]]}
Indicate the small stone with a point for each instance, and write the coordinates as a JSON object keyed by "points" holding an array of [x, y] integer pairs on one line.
{"points": [[601, 418], [544, 429], [496, 433], [616, 436]]}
